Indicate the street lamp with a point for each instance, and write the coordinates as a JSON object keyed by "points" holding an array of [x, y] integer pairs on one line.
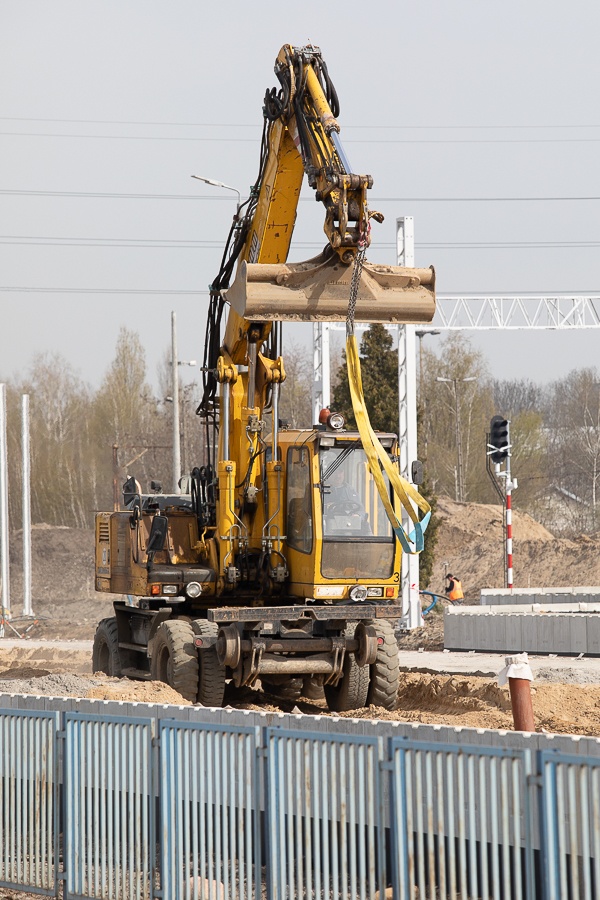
{"points": [[221, 184], [459, 482], [421, 335]]}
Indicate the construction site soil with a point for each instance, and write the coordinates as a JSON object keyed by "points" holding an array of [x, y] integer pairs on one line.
{"points": [[470, 545]]}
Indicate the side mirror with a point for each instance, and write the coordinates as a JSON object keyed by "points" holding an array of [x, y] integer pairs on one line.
{"points": [[158, 535], [416, 472]]}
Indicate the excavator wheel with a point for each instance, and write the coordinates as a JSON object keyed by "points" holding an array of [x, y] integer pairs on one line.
{"points": [[351, 690], [174, 659], [385, 671], [211, 673], [106, 656]]}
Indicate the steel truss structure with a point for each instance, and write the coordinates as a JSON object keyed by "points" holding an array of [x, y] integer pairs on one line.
{"points": [[455, 313]]}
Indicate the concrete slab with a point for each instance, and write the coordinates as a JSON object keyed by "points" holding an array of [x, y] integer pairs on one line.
{"points": [[549, 668], [549, 595]]}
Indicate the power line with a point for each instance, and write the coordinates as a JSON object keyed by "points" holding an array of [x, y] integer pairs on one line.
{"points": [[119, 196], [238, 140], [62, 290], [150, 291], [142, 243], [256, 126], [123, 196]]}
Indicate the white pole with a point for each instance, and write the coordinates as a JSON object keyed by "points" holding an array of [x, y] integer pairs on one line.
{"points": [[26, 502], [4, 570], [176, 438], [321, 397], [407, 430]]}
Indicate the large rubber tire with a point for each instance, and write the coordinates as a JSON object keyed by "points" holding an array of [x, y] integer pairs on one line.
{"points": [[174, 658], [105, 652], [211, 673], [351, 690], [385, 671]]}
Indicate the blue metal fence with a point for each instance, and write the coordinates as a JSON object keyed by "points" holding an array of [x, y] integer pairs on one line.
{"points": [[109, 832], [326, 835], [571, 826], [462, 821], [210, 811], [29, 801], [129, 808]]}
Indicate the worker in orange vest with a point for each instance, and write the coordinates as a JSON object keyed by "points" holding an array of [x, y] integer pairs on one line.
{"points": [[454, 589]]}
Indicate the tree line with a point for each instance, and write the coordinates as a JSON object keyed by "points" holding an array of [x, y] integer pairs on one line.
{"points": [[555, 428]]}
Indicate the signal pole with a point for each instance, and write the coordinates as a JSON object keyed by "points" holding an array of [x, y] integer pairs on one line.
{"points": [[498, 450], [508, 520]]}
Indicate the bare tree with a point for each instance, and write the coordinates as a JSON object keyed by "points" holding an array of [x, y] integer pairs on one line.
{"points": [[457, 409], [573, 414], [296, 391]]}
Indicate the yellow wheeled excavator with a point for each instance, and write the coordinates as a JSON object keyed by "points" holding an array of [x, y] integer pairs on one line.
{"points": [[282, 561]]}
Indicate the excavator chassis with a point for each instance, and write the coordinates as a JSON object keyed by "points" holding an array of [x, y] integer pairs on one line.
{"points": [[244, 645]]}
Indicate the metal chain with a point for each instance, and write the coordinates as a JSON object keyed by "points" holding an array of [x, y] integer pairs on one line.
{"points": [[354, 284]]}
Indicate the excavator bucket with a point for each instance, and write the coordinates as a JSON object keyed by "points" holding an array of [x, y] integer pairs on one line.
{"points": [[318, 290]]}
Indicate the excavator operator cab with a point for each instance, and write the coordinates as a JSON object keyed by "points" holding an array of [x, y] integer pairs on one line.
{"points": [[357, 536], [336, 522]]}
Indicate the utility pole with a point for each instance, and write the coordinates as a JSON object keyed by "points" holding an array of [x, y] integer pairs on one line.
{"points": [[4, 572], [26, 503], [115, 470], [175, 386], [407, 427], [175, 363]]}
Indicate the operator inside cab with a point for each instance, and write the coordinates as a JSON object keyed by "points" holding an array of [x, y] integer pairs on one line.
{"points": [[343, 510], [357, 535]]}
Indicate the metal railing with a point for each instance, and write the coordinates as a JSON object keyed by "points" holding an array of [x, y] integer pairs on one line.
{"points": [[129, 808]]}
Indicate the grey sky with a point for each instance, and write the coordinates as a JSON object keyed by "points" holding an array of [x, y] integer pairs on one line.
{"points": [[438, 99]]}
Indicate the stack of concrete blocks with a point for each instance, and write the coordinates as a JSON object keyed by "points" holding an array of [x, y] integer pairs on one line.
{"points": [[504, 596], [563, 621]]}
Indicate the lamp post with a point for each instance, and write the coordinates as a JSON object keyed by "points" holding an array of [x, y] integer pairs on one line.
{"points": [[221, 184], [459, 484], [421, 335]]}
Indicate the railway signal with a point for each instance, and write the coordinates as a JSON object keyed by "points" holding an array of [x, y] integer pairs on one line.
{"points": [[498, 451]]}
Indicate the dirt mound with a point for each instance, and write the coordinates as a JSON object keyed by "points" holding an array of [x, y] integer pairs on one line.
{"points": [[64, 601], [471, 545], [468, 701], [37, 682]]}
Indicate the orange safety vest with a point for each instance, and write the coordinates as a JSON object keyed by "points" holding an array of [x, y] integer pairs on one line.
{"points": [[457, 592]]}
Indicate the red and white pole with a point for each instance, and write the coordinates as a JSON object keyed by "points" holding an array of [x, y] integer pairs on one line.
{"points": [[509, 543]]}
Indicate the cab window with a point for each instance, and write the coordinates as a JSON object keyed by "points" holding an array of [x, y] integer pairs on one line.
{"points": [[299, 500]]}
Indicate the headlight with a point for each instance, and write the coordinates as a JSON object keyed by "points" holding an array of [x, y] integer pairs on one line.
{"points": [[193, 589], [169, 588], [358, 592], [335, 421], [375, 592]]}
